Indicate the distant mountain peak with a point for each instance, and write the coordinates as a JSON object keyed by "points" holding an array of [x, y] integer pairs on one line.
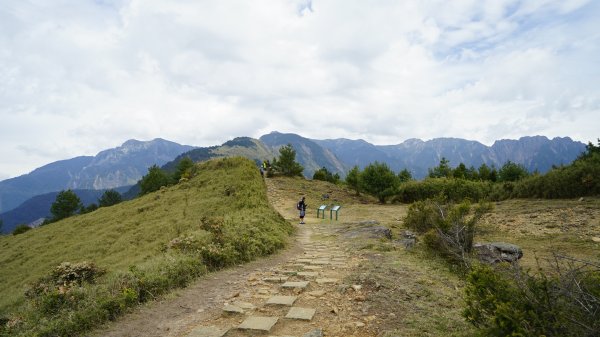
{"points": [[119, 166]]}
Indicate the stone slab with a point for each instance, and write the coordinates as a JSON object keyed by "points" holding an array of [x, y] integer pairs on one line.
{"points": [[317, 293], [233, 309], [299, 284], [304, 260], [320, 262], [314, 333], [245, 305], [207, 331], [282, 300], [313, 267], [327, 280], [259, 323], [306, 274], [305, 314], [288, 272], [276, 279]]}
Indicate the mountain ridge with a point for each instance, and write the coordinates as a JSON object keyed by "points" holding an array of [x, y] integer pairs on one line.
{"points": [[110, 168], [536, 153]]}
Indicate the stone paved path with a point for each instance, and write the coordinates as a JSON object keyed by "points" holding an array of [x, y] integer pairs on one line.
{"points": [[302, 296]]}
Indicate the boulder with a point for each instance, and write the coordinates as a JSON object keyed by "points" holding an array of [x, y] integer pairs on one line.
{"points": [[369, 229], [497, 252], [314, 333], [408, 239], [368, 222]]}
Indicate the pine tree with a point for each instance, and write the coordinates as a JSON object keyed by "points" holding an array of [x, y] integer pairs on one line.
{"points": [[65, 205]]}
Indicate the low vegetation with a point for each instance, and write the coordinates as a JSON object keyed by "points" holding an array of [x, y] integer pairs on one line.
{"points": [[562, 299], [135, 251]]}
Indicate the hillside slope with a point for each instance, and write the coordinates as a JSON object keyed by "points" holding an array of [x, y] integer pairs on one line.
{"points": [[224, 208]]}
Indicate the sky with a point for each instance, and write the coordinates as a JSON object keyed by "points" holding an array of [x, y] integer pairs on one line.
{"points": [[81, 76]]}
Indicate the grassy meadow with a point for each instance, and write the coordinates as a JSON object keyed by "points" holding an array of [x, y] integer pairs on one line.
{"points": [[416, 293], [224, 207]]}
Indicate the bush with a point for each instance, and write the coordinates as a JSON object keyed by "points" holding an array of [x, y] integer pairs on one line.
{"points": [[324, 175], [512, 172], [20, 229], [508, 301], [581, 178], [450, 188], [449, 229], [109, 198], [154, 180]]}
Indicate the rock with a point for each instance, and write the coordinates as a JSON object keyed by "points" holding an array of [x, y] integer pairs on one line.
{"points": [[369, 222], [497, 252], [304, 314], [314, 333], [244, 305], [316, 293], [258, 323], [581, 199], [207, 331], [356, 287], [374, 232], [596, 239], [232, 309], [282, 300]]}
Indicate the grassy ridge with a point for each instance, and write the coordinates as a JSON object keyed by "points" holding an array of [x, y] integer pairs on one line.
{"points": [[226, 193]]}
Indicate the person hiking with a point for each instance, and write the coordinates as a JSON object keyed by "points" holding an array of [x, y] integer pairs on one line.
{"points": [[301, 206]]}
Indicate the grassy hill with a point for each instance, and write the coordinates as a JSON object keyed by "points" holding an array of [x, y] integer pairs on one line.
{"points": [[220, 217]]}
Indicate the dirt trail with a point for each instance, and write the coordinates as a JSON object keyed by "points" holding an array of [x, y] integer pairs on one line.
{"points": [[309, 276]]}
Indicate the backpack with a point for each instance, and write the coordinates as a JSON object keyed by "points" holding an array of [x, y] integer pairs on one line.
{"points": [[299, 206]]}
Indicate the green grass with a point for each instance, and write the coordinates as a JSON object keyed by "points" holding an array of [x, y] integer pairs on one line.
{"points": [[226, 193]]}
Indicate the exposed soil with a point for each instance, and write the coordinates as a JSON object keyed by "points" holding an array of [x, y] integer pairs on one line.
{"points": [[340, 308], [373, 285]]}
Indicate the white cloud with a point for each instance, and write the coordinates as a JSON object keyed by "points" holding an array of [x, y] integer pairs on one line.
{"points": [[76, 78]]}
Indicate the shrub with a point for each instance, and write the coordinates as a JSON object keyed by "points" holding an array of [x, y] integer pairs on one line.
{"points": [[450, 188], [109, 198], [449, 229], [154, 180], [581, 178], [508, 301], [512, 172], [324, 175], [20, 229], [184, 169]]}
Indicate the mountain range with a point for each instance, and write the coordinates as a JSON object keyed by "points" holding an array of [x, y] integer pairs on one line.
{"points": [[117, 167], [536, 153], [125, 165]]}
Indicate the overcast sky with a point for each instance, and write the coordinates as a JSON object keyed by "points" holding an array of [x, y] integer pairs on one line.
{"points": [[80, 76]]}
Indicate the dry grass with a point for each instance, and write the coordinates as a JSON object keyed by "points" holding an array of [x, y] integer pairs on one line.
{"points": [[416, 294], [135, 232], [542, 227]]}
